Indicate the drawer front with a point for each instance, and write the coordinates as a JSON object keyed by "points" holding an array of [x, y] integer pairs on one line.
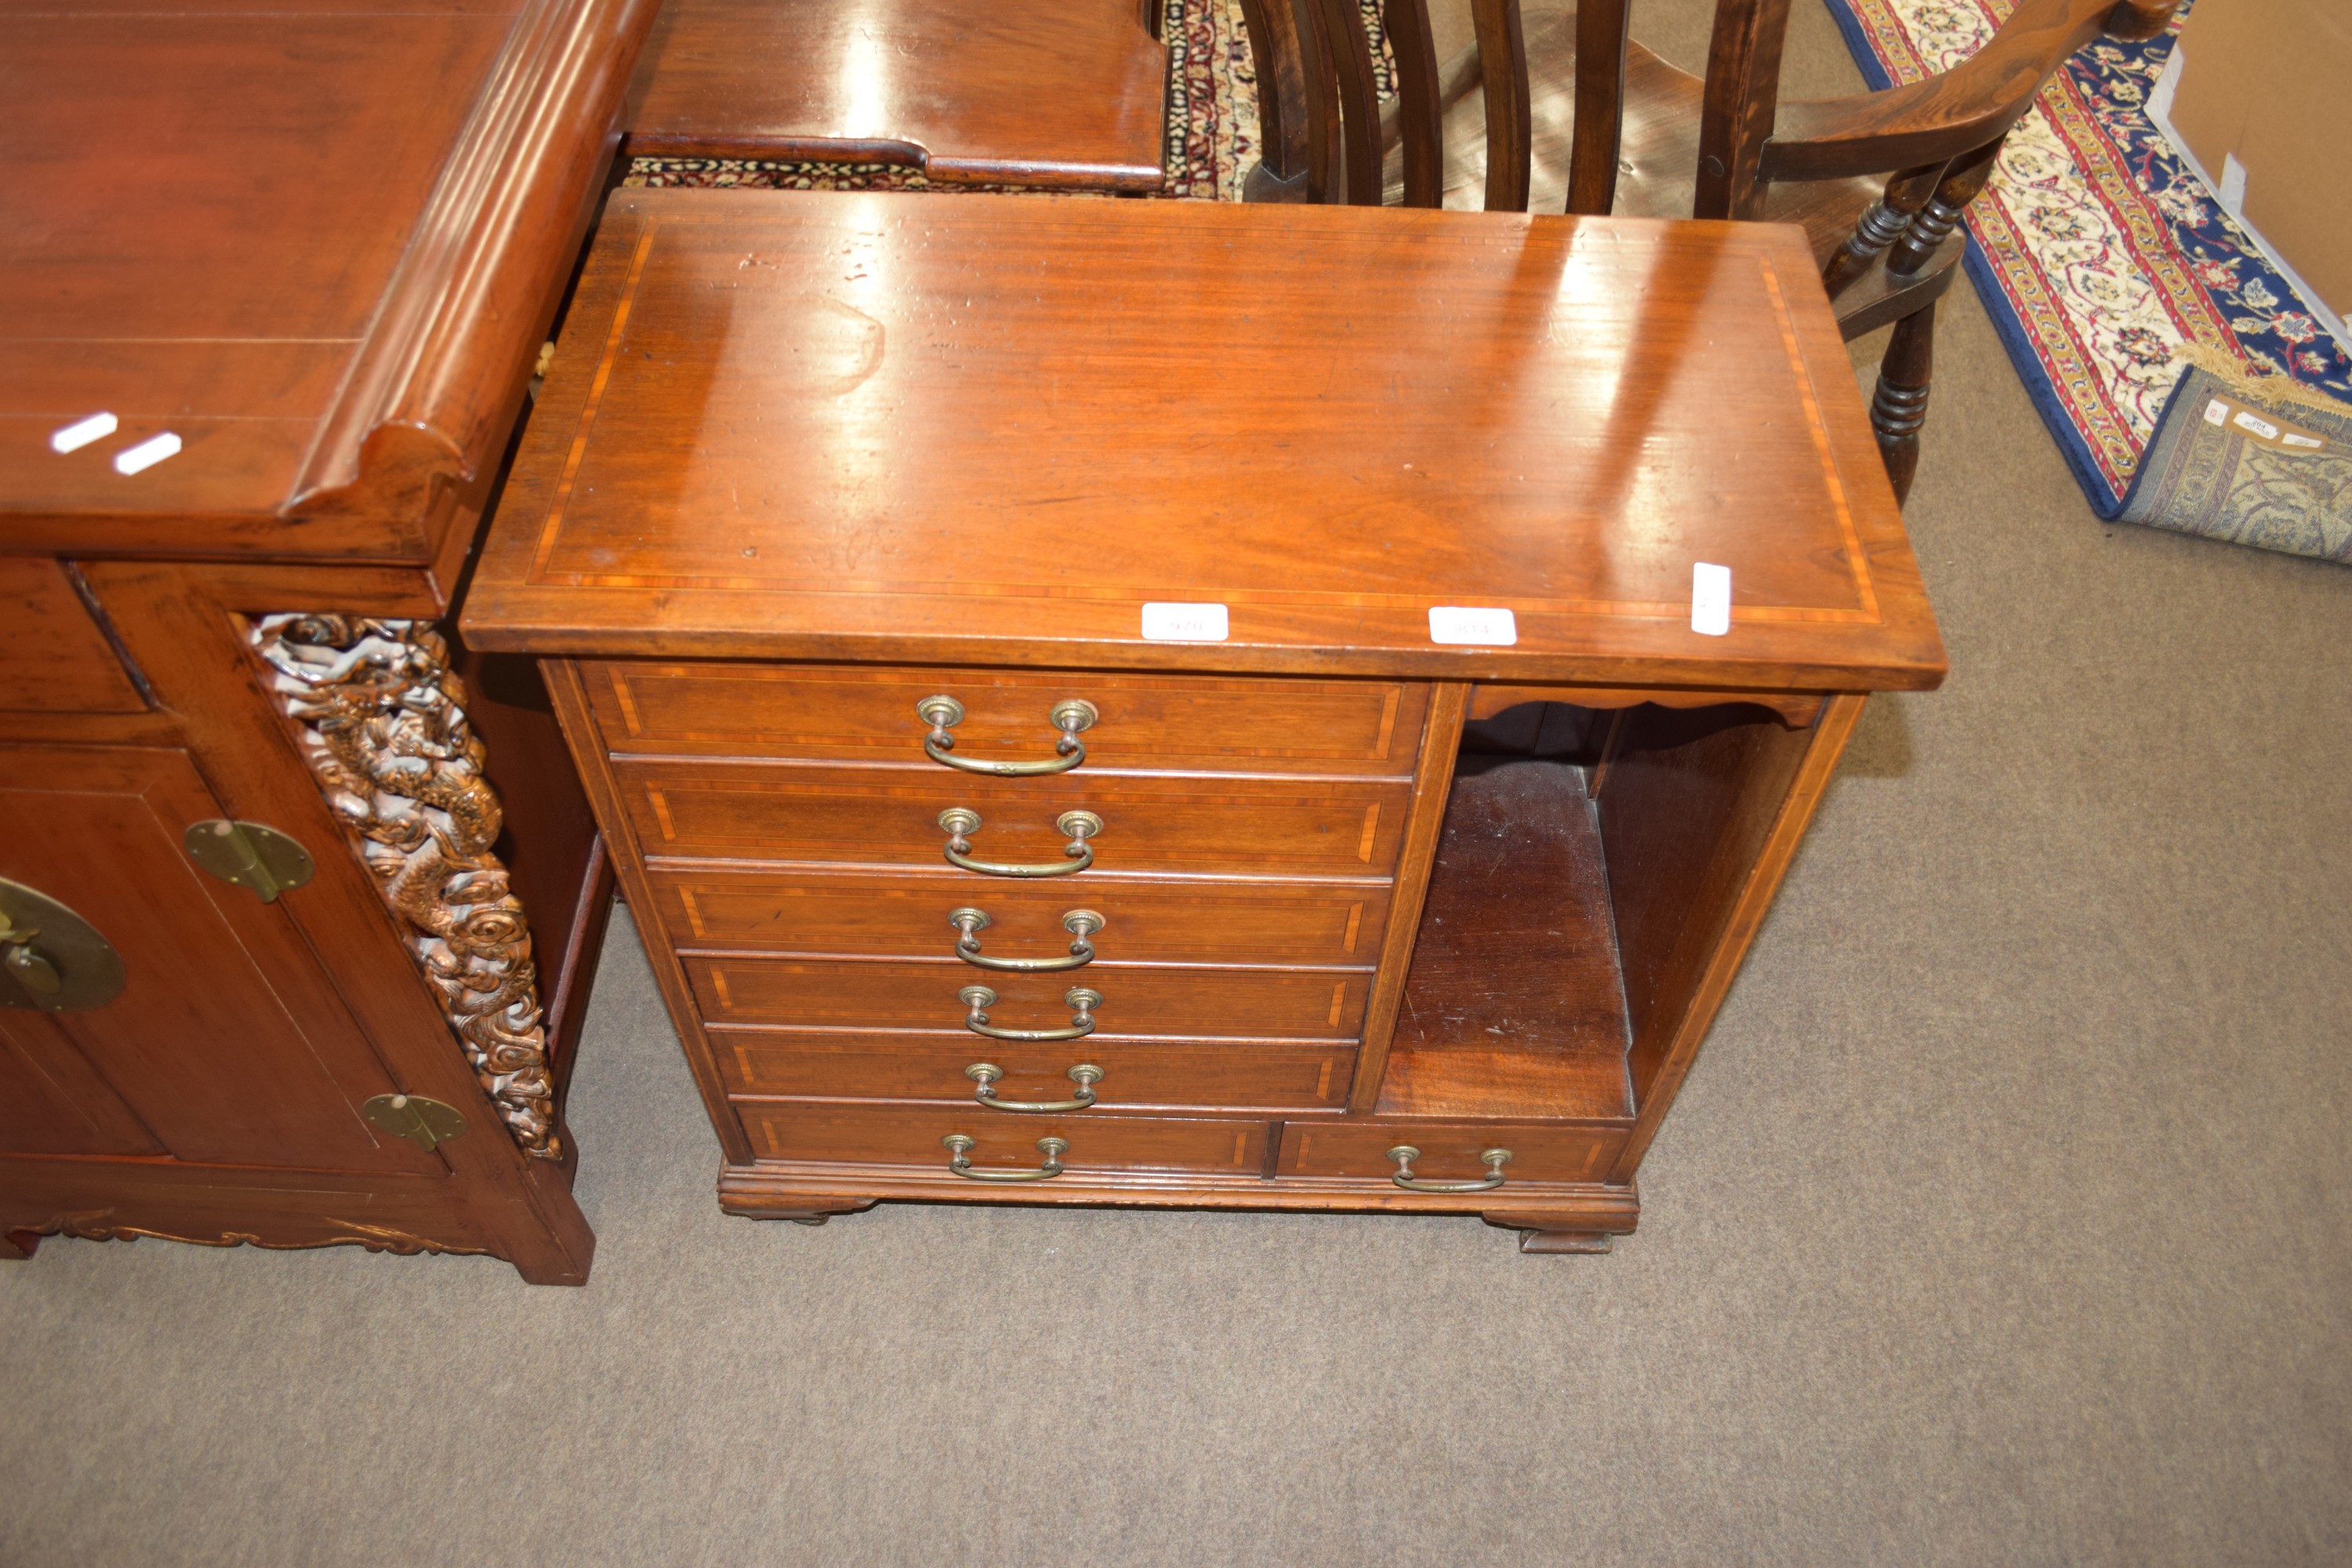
{"points": [[1136, 999], [1268, 1077], [1450, 1149], [54, 657], [905, 914], [862, 714], [911, 1135], [1269, 827]]}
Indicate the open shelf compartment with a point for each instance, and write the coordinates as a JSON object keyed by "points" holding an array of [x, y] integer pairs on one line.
{"points": [[1581, 894]]}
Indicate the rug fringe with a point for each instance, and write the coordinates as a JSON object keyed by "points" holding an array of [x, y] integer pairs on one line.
{"points": [[2257, 385]]}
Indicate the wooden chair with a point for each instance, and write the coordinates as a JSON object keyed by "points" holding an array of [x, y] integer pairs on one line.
{"points": [[1583, 118]]}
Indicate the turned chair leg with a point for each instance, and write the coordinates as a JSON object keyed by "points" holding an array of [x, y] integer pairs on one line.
{"points": [[1900, 404]]}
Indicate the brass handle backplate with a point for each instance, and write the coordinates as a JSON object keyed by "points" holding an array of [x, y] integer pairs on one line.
{"points": [[977, 999], [1404, 1154], [1069, 716], [1080, 923], [958, 1149], [52, 960], [428, 1124], [1085, 1075], [959, 823], [250, 855]]}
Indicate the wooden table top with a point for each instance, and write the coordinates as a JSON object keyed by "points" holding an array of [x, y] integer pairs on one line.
{"points": [[1068, 93], [317, 243], [799, 425]]}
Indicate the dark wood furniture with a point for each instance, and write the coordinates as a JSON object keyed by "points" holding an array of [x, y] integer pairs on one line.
{"points": [[276, 969], [810, 549], [1562, 110], [1071, 95]]}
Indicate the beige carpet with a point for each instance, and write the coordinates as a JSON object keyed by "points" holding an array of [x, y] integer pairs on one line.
{"points": [[2007, 1219]]}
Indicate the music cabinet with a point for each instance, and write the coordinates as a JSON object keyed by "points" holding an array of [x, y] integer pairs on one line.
{"points": [[1173, 705]]}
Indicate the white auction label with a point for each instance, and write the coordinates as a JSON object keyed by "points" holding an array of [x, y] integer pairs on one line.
{"points": [[82, 432], [147, 454], [1184, 623], [1483, 628], [1711, 599]]}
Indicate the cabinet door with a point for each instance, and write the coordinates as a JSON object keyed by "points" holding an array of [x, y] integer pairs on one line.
{"points": [[227, 1044]]}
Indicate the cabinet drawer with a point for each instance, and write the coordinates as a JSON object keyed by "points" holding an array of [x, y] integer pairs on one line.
{"points": [[906, 914], [1136, 999], [1270, 827], [1450, 1149], [831, 1133], [1270, 1077], [865, 714]]}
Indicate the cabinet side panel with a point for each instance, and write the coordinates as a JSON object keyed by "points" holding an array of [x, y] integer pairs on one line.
{"points": [[570, 698], [1699, 821], [1432, 779], [550, 843]]}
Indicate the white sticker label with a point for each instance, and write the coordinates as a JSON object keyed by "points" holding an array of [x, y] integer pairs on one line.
{"points": [[1481, 628], [81, 433], [2259, 425], [2291, 439], [2217, 412], [1184, 623], [147, 454], [1711, 599]]}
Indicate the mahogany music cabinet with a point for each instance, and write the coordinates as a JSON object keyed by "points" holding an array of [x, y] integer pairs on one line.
{"points": [[1189, 705]]}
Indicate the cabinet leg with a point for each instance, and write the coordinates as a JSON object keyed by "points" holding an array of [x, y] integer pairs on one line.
{"points": [[1567, 1231], [16, 1245], [1563, 1241]]}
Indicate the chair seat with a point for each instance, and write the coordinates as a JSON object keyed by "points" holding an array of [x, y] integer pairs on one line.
{"points": [[1071, 95], [1658, 155]]}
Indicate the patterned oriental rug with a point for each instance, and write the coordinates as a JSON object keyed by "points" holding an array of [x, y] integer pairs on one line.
{"points": [[2107, 267], [1210, 145]]}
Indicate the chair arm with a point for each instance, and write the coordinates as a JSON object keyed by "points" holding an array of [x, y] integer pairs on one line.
{"points": [[1957, 111]]}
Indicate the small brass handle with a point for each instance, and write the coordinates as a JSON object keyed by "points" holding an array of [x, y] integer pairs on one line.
{"points": [[1080, 923], [1082, 1003], [960, 823], [1085, 1075], [1404, 1154], [1069, 716], [958, 1149]]}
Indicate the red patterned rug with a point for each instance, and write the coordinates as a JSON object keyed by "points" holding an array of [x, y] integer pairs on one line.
{"points": [[2103, 261]]}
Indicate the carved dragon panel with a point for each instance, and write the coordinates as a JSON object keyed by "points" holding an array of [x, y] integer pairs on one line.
{"points": [[382, 720]]}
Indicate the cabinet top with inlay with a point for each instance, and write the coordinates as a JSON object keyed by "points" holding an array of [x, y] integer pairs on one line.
{"points": [[854, 426]]}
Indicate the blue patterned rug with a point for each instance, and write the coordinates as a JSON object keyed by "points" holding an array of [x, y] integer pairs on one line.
{"points": [[2102, 258]]}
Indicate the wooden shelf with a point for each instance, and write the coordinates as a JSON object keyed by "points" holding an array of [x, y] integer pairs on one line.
{"points": [[1515, 1005]]}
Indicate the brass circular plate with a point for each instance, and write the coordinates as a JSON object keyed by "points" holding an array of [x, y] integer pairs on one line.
{"points": [[88, 970]]}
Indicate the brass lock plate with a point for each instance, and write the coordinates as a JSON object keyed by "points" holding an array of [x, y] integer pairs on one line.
{"points": [[428, 1124], [51, 959], [251, 855]]}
